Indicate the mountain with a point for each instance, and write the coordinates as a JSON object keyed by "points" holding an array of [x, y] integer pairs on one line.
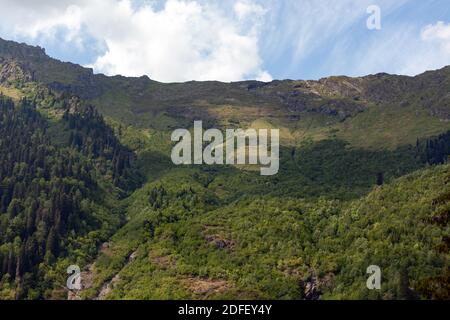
{"points": [[92, 184], [321, 109]]}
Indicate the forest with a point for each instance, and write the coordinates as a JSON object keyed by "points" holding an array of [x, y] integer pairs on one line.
{"points": [[51, 189]]}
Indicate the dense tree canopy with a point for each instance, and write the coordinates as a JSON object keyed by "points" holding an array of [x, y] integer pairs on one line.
{"points": [[45, 187]]}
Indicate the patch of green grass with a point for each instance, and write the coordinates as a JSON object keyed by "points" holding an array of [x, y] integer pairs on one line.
{"points": [[381, 127], [13, 93]]}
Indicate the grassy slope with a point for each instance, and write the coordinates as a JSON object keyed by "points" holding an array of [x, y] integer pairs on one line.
{"points": [[378, 127], [390, 126], [10, 92]]}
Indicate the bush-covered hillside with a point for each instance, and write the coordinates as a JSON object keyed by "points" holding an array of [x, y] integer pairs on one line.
{"points": [[181, 242]]}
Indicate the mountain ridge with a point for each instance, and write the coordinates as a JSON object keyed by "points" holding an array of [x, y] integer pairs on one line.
{"points": [[321, 109], [22, 50]]}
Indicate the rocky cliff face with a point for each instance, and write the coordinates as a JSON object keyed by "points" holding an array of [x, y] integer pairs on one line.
{"points": [[22, 51], [21, 61], [11, 72]]}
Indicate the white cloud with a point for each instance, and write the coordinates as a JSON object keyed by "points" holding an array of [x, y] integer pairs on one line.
{"points": [[244, 9], [180, 40], [29, 19], [183, 40], [439, 34]]}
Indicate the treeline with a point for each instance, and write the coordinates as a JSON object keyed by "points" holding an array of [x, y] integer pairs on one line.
{"points": [[435, 150], [46, 189]]}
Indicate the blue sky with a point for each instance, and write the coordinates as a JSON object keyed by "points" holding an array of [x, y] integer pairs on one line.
{"points": [[181, 40]]}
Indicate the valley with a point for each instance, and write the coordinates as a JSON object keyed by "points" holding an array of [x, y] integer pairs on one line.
{"points": [[87, 179]]}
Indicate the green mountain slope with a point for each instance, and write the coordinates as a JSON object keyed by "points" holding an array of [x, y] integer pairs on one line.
{"points": [[60, 181], [86, 179], [179, 243]]}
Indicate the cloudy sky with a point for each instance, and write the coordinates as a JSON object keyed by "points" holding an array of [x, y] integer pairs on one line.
{"points": [[230, 40]]}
